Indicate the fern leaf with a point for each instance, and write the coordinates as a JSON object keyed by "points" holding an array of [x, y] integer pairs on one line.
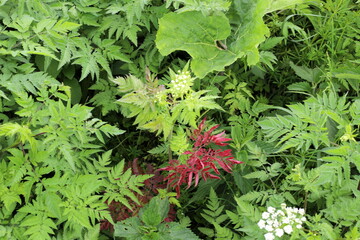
{"points": [[129, 84], [223, 233], [213, 213], [63, 26]]}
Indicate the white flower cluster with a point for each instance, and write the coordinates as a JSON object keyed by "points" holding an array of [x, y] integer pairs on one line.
{"points": [[160, 97], [181, 83], [280, 222]]}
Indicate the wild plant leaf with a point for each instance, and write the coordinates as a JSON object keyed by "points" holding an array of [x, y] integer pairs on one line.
{"points": [[154, 212], [300, 87], [213, 213], [179, 143], [129, 228], [199, 36], [262, 175], [308, 74], [225, 233], [252, 30], [178, 232], [283, 4], [207, 7]]}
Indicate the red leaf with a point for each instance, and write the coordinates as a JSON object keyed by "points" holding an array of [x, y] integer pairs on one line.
{"points": [[202, 159]]}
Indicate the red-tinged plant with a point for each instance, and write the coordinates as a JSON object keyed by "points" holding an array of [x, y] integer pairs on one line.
{"points": [[120, 212], [202, 159]]}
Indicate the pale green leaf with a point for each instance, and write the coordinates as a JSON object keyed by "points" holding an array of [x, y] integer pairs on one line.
{"points": [[199, 36]]}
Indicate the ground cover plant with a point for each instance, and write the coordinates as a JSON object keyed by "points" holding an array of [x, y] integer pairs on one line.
{"points": [[179, 119]]}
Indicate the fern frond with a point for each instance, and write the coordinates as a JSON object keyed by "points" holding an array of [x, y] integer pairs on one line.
{"points": [[224, 233], [213, 213]]}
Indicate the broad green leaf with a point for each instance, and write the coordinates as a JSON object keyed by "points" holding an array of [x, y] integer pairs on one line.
{"points": [[128, 228], [198, 35], [252, 29], [155, 212], [201, 35], [283, 4]]}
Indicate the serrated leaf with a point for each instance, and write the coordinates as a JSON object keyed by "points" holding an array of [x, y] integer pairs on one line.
{"points": [[155, 212], [308, 74], [339, 151], [53, 201], [207, 231], [270, 43], [63, 26], [262, 175], [178, 232], [128, 228]]}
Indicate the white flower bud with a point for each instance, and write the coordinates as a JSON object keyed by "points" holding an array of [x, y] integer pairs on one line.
{"points": [[269, 228], [288, 229], [286, 220], [261, 224], [265, 215], [301, 211], [279, 232], [269, 236], [271, 209]]}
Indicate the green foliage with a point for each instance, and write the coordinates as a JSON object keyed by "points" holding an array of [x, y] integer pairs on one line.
{"points": [[214, 215], [157, 108], [201, 35], [149, 224], [106, 97], [282, 75], [51, 181], [206, 7]]}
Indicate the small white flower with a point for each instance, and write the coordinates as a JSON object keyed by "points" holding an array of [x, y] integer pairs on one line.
{"points": [[265, 215], [269, 228], [261, 224], [283, 205], [286, 220], [303, 219], [271, 210], [269, 236], [297, 220], [270, 222], [290, 215], [279, 212], [301, 211], [298, 226], [276, 223], [279, 232], [288, 229], [288, 210]]}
